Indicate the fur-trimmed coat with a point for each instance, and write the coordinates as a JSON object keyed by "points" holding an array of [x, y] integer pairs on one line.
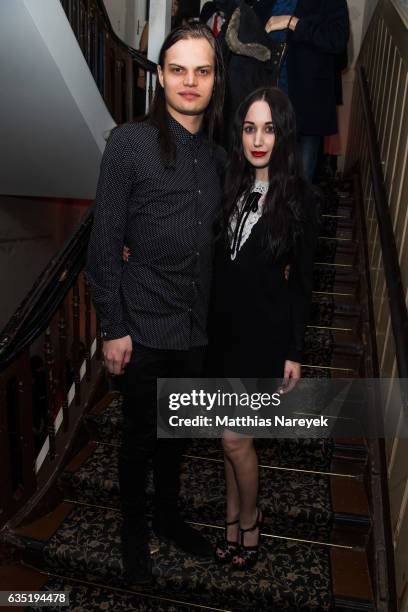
{"points": [[251, 58]]}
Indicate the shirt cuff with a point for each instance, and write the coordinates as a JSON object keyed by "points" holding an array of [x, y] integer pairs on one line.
{"points": [[114, 332], [294, 354]]}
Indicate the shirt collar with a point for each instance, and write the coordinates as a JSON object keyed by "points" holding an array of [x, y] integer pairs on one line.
{"points": [[181, 134]]}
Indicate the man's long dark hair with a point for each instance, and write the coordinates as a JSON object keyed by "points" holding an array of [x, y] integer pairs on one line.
{"points": [[212, 123], [282, 207]]}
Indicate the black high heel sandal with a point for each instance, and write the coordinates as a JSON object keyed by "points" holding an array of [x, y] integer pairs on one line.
{"points": [[224, 548], [247, 556]]}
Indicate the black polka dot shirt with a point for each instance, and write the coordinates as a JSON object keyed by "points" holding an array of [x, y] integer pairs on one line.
{"points": [[165, 215]]}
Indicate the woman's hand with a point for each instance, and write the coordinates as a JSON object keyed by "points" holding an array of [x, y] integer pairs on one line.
{"points": [[281, 22], [291, 375], [126, 253]]}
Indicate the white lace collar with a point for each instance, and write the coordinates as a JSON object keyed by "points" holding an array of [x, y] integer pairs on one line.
{"points": [[251, 219], [260, 186]]}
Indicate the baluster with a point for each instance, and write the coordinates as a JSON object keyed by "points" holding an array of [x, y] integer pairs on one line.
{"points": [[84, 30], [74, 20], [25, 422], [6, 489], [130, 88], [107, 89], [89, 38], [51, 390], [76, 358], [78, 20], [62, 332], [98, 340], [100, 54], [88, 337], [150, 79]]}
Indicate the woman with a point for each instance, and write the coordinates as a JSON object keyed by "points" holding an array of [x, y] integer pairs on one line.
{"points": [[260, 308]]}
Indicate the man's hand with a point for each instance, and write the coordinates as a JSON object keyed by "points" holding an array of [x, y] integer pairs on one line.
{"points": [[116, 354], [281, 22], [291, 376]]}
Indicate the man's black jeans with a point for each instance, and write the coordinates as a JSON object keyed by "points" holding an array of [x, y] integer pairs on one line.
{"points": [[139, 438]]}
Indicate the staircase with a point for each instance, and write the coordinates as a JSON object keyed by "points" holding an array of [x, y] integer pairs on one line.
{"points": [[317, 524]]}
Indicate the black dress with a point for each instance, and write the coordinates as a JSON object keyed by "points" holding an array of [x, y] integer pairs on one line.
{"points": [[258, 318]]}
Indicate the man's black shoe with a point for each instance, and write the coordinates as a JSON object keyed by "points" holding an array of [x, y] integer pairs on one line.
{"points": [[174, 529], [137, 563]]}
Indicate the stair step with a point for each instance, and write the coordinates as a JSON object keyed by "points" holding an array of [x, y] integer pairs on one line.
{"points": [[335, 251], [326, 311], [319, 339], [290, 575], [297, 504], [85, 596], [332, 280], [104, 424], [334, 226]]}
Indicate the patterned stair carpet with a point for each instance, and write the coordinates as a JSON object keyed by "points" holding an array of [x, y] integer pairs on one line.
{"points": [[295, 567], [289, 575], [84, 597], [298, 505]]}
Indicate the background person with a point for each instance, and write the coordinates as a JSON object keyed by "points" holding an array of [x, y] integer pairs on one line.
{"points": [[316, 33], [213, 15]]}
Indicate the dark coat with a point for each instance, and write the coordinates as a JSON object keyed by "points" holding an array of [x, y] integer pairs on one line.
{"points": [[313, 61], [251, 58], [257, 316]]}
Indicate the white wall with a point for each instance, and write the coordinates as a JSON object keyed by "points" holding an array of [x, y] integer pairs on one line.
{"points": [[116, 10], [127, 18], [52, 119]]}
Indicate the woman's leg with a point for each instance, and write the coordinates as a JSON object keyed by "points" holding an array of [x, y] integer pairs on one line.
{"points": [[241, 462], [233, 502], [228, 546]]}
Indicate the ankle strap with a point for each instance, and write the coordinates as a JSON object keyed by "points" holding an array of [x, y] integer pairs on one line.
{"points": [[254, 526], [227, 524]]}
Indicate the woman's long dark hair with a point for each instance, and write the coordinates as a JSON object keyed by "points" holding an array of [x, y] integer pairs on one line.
{"points": [[282, 207], [212, 123]]}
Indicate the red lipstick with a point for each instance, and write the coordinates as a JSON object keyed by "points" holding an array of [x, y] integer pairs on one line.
{"points": [[258, 153]]}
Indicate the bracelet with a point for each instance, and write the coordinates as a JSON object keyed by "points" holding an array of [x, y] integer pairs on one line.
{"points": [[289, 22]]}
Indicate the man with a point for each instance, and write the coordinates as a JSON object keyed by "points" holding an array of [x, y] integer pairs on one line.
{"points": [[158, 193], [213, 15], [316, 32]]}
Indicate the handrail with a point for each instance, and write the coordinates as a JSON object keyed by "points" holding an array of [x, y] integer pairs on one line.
{"points": [[46, 296], [398, 309], [137, 55], [50, 369], [123, 75]]}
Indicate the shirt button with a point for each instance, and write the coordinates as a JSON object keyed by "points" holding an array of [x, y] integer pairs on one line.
{"points": [[189, 310], [199, 223], [195, 161], [197, 254], [199, 192]]}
